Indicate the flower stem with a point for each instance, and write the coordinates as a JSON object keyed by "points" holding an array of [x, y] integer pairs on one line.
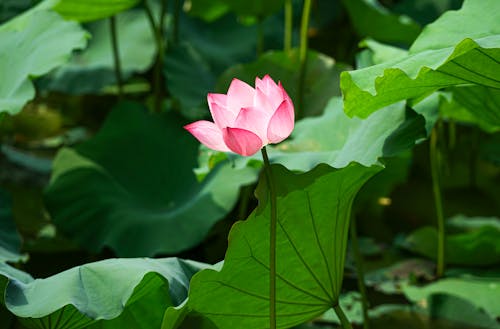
{"points": [[158, 68], [304, 26], [287, 42], [272, 241], [116, 56], [436, 188], [342, 317], [360, 273]]}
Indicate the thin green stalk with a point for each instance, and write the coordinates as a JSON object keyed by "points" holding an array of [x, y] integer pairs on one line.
{"points": [[344, 321], [436, 188], [158, 68], [304, 26], [116, 56], [360, 273], [287, 42], [272, 241]]}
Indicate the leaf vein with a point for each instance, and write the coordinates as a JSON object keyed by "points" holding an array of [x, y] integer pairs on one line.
{"points": [[304, 262]]}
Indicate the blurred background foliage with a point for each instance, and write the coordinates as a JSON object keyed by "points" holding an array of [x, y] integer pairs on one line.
{"points": [[85, 176]]}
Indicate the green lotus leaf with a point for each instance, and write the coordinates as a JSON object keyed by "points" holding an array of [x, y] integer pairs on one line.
{"points": [[31, 46], [477, 245], [137, 192], [481, 292], [443, 55], [313, 218], [114, 293]]}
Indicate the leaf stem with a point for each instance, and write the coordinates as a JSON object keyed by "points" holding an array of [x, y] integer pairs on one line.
{"points": [[344, 321], [360, 273], [304, 26], [436, 188], [158, 67], [287, 42], [272, 241], [116, 56]]}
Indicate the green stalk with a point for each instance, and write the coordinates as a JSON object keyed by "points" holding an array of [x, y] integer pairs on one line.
{"points": [[436, 188], [360, 273], [303, 55], [116, 56], [287, 42], [158, 68], [272, 241], [344, 321]]}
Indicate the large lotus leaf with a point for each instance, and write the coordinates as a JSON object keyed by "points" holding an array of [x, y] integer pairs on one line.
{"points": [[370, 18], [91, 70], [313, 211], [31, 48], [482, 292], [445, 54], [89, 10], [477, 246], [114, 293], [137, 192], [321, 79]]}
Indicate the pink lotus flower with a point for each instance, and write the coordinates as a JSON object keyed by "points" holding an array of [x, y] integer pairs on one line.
{"points": [[246, 119]]}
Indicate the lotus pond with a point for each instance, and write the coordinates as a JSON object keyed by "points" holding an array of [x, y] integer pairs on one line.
{"points": [[249, 164]]}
